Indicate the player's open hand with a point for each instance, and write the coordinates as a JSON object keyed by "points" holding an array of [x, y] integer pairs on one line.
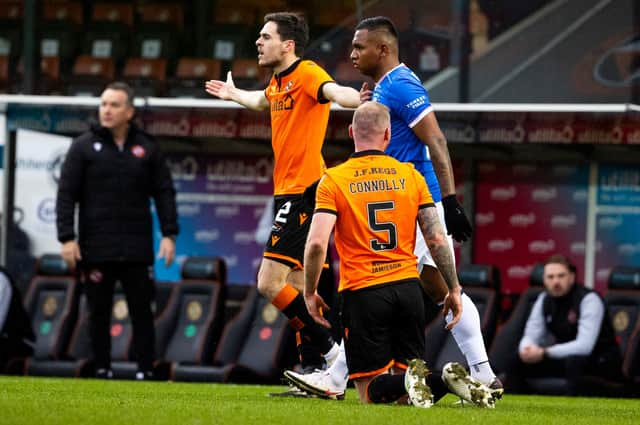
{"points": [[221, 89], [315, 305], [366, 93]]}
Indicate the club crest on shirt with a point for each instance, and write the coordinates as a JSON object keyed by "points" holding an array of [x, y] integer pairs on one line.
{"points": [[97, 146], [288, 86], [572, 317], [138, 151]]}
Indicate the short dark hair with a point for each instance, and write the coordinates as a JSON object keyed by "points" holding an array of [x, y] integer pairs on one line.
{"points": [[378, 23], [291, 26], [561, 259], [122, 86]]}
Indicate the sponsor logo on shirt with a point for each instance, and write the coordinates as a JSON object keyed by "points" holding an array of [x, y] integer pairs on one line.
{"points": [[416, 103]]}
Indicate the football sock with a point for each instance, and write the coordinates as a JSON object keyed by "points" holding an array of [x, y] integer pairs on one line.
{"points": [[386, 388], [338, 369], [483, 372], [308, 354], [291, 303], [468, 336]]}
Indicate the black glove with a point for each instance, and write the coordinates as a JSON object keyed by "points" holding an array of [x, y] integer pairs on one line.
{"points": [[309, 196], [457, 223]]}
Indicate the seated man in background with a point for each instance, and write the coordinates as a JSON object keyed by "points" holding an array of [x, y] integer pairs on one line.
{"points": [[568, 334]]}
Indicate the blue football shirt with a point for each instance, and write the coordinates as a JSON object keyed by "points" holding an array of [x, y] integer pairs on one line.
{"points": [[401, 91]]}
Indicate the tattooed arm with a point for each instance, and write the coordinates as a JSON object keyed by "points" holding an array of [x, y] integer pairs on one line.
{"points": [[439, 247]]}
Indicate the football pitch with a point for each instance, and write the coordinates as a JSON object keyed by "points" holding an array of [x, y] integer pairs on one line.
{"points": [[86, 401]]}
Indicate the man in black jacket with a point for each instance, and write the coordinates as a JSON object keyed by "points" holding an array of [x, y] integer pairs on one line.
{"points": [[111, 172], [568, 335]]}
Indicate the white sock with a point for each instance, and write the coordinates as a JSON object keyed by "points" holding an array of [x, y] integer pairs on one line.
{"points": [[331, 355], [339, 370], [483, 372], [469, 339]]}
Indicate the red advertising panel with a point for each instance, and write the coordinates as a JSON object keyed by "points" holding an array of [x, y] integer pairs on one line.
{"points": [[526, 212]]}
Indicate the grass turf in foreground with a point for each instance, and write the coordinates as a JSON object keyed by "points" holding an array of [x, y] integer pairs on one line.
{"points": [[74, 401]]}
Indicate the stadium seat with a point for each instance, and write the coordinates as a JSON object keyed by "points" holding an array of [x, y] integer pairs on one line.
{"points": [[109, 32], [16, 332], [67, 12], [90, 75], [347, 75], [146, 76], [51, 303], [401, 16], [234, 13], [191, 74], [4, 74], [623, 303], [59, 32], [163, 292], [188, 330], [75, 361], [155, 42], [49, 81], [228, 43], [256, 345], [12, 10], [168, 14], [10, 40], [482, 284], [504, 349], [236, 295], [328, 14], [119, 13], [248, 74]]}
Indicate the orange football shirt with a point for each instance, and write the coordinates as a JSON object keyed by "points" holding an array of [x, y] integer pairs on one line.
{"points": [[299, 118], [376, 199]]}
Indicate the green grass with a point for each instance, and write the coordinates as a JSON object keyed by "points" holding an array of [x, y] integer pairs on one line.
{"points": [[74, 401]]}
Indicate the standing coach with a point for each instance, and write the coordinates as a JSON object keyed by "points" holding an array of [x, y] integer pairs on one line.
{"points": [[110, 173]]}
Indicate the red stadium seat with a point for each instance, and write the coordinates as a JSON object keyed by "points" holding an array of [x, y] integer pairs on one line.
{"points": [[146, 76]]}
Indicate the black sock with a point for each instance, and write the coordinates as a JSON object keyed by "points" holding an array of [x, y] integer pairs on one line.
{"points": [[310, 356], [300, 319], [386, 388], [438, 387]]}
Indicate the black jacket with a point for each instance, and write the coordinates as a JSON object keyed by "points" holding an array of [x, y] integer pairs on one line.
{"points": [[562, 315], [113, 189]]}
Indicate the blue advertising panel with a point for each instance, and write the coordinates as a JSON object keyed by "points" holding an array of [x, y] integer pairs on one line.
{"points": [[220, 201], [618, 219]]}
